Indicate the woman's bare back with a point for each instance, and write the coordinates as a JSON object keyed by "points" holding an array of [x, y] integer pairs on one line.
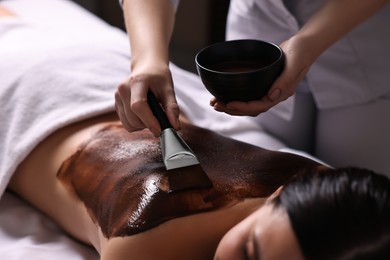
{"points": [[101, 183]]}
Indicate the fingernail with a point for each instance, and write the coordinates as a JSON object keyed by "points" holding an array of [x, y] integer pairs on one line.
{"points": [[275, 94]]}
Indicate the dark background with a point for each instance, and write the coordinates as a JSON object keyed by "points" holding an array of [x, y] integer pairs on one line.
{"points": [[198, 24]]}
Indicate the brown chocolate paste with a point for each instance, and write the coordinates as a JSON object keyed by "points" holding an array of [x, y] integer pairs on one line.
{"points": [[121, 178]]}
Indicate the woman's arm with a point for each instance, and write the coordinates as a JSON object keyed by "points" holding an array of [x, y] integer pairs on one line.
{"points": [[334, 20], [5, 12], [149, 24]]}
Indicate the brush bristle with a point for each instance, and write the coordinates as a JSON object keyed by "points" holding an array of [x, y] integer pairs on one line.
{"points": [[187, 178]]}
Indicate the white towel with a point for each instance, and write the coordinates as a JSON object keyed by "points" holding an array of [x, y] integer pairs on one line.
{"points": [[52, 76]]}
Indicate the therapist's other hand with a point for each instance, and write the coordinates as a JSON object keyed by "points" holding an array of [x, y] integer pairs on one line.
{"points": [[131, 99], [297, 63]]}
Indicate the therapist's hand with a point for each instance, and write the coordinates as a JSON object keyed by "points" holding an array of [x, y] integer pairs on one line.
{"points": [[320, 32], [297, 62], [131, 98], [149, 25]]}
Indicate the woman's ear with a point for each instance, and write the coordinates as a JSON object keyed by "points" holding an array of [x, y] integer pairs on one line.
{"points": [[275, 194]]}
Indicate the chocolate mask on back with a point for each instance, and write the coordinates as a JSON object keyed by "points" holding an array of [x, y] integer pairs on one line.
{"points": [[120, 177]]}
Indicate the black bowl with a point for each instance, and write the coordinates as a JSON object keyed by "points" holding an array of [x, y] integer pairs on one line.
{"points": [[240, 70]]}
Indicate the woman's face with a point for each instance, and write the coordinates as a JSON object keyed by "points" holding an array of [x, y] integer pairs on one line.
{"points": [[265, 235]]}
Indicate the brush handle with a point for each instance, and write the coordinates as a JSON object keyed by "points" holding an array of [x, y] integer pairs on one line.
{"points": [[158, 111]]}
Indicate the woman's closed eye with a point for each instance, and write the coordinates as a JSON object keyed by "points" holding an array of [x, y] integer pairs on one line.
{"points": [[251, 249]]}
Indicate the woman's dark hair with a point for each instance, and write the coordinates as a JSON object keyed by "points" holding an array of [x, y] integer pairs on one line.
{"points": [[339, 213]]}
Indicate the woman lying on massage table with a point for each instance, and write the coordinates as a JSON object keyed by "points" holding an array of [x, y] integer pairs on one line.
{"points": [[107, 194], [106, 187]]}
